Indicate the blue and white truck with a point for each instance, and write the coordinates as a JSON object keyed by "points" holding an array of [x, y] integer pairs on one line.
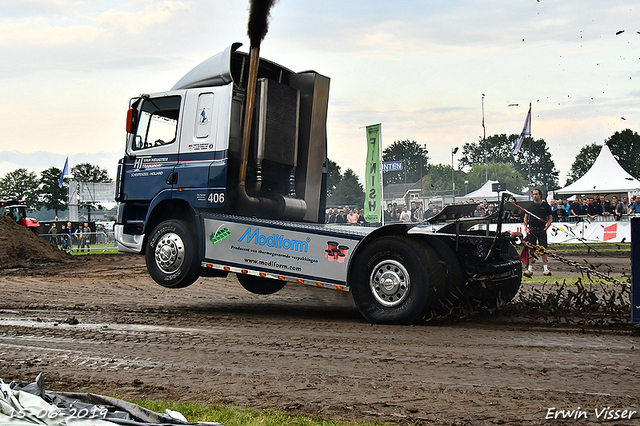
{"points": [[226, 173]]}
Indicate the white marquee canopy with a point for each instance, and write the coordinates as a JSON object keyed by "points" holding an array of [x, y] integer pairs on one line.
{"points": [[486, 192], [606, 176]]}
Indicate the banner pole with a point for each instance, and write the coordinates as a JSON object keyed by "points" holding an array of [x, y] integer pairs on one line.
{"points": [[382, 207]]}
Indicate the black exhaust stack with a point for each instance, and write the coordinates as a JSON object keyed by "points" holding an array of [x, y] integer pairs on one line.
{"points": [[256, 30], [280, 206]]}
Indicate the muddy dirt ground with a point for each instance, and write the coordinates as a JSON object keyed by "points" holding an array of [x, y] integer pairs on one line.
{"points": [[100, 324]]}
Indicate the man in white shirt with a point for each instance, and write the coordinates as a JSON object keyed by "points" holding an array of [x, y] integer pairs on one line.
{"points": [[405, 216]]}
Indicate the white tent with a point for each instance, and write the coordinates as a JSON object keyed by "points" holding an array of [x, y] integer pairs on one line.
{"points": [[486, 192], [606, 176]]}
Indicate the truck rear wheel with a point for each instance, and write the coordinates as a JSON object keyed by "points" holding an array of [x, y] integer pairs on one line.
{"points": [[453, 279], [172, 255], [392, 280], [495, 293], [260, 285]]}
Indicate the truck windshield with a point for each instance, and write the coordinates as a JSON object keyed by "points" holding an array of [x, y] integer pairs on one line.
{"points": [[158, 122]]}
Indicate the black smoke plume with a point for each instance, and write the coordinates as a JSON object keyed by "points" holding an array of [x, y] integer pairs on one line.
{"points": [[259, 20]]}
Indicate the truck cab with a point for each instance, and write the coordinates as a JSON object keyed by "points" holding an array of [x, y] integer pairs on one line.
{"points": [[183, 149]]}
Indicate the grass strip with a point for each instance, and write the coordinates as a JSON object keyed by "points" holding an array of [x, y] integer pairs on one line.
{"points": [[600, 247], [228, 415], [95, 249]]}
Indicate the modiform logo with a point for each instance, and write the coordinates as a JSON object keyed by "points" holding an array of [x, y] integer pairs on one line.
{"points": [[273, 241]]}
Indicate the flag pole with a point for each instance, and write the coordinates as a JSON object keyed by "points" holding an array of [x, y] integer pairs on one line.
{"points": [[530, 137], [381, 179], [484, 141]]}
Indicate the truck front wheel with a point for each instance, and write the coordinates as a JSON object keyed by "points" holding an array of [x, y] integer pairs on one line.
{"points": [[172, 255], [393, 278]]}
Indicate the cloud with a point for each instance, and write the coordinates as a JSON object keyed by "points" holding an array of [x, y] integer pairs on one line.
{"points": [[91, 39], [136, 22], [39, 30], [37, 8], [36, 32]]}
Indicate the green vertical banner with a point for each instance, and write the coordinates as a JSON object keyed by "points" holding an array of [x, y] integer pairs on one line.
{"points": [[373, 196]]}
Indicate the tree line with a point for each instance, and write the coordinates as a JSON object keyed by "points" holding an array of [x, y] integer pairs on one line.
{"points": [[345, 188], [43, 191], [533, 159]]}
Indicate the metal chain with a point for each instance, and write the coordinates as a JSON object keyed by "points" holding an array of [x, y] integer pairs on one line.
{"points": [[541, 250]]}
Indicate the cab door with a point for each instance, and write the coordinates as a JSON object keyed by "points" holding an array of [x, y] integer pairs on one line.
{"points": [[152, 149], [202, 167]]}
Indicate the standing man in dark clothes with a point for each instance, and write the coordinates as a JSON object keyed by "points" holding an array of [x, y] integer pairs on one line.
{"points": [[390, 214], [332, 215], [622, 208], [593, 209], [606, 206], [54, 234], [69, 237], [536, 229], [576, 209]]}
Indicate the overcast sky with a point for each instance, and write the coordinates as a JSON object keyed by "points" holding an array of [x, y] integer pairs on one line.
{"points": [[69, 68]]}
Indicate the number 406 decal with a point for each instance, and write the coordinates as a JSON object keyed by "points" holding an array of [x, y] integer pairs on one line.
{"points": [[216, 197]]}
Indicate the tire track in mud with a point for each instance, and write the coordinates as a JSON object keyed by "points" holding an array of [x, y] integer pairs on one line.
{"points": [[301, 349], [241, 360]]}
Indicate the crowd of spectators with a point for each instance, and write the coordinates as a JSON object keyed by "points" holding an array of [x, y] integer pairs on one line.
{"points": [[69, 235], [394, 213], [345, 216], [414, 212], [593, 206], [562, 210], [484, 208]]}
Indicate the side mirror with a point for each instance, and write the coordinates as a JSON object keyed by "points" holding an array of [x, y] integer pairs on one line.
{"points": [[131, 120]]}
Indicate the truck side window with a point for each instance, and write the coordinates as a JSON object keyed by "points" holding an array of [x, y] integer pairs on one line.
{"points": [[158, 122]]}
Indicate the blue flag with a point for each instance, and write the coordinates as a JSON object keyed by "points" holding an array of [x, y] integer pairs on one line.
{"points": [[65, 172], [526, 131]]}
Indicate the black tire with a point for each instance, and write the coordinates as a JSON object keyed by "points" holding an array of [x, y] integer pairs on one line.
{"points": [[493, 295], [172, 254], [452, 296], [260, 285], [510, 288], [410, 269]]}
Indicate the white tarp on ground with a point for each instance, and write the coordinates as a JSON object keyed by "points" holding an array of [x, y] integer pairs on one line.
{"points": [[572, 233], [19, 408], [606, 176], [28, 405], [486, 192]]}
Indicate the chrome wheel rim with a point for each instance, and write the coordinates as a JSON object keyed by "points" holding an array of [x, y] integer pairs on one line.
{"points": [[390, 283], [169, 253]]}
